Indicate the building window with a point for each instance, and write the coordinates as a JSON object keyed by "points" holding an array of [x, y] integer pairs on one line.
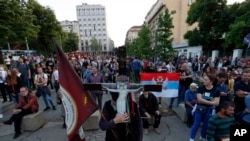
{"points": [[86, 43], [94, 27], [85, 32], [90, 32]]}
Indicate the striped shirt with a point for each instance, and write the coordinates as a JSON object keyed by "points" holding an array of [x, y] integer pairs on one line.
{"points": [[219, 127]]}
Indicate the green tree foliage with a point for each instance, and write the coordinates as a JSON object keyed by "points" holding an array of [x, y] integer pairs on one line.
{"points": [[95, 46], [240, 26], [144, 43], [71, 42], [16, 22], [212, 17], [164, 33], [49, 27], [141, 46]]}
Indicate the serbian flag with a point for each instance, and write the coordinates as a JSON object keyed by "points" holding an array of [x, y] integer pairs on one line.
{"points": [[169, 82], [78, 103]]}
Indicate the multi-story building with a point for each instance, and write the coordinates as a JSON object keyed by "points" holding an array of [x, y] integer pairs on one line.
{"points": [[132, 33], [71, 26], [181, 7], [92, 24]]}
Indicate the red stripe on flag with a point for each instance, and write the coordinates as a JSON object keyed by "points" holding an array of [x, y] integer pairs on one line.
{"points": [[150, 76], [70, 82]]}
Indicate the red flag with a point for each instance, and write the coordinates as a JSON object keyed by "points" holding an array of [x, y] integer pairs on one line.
{"points": [[78, 103]]}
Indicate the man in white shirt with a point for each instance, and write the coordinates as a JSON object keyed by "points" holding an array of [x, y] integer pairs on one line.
{"points": [[55, 76]]}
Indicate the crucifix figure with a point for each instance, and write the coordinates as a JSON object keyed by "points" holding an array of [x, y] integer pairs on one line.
{"points": [[121, 103]]}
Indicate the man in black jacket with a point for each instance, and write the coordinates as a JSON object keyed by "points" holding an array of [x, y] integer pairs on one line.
{"points": [[149, 108]]}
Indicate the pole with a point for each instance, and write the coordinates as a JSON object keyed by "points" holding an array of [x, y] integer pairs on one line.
{"points": [[27, 45]]}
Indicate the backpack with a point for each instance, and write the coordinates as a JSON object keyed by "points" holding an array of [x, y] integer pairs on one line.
{"points": [[243, 117]]}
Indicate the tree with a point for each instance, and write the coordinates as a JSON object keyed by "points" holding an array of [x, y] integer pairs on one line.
{"points": [[240, 26], [212, 19], [141, 46], [95, 46], [16, 22], [164, 33], [71, 42], [144, 43], [49, 27]]}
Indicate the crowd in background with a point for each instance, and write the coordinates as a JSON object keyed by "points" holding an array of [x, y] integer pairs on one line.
{"points": [[224, 79]]}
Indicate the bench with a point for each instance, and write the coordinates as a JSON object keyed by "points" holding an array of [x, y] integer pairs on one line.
{"points": [[92, 122], [32, 122]]}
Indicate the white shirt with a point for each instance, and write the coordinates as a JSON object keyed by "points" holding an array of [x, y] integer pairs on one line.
{"points": [[55, 75], [42, 76], [3, 75]]}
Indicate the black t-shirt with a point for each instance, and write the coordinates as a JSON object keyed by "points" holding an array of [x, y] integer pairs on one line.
{"points": [[240, 101], [208, 94], [185, 82]]}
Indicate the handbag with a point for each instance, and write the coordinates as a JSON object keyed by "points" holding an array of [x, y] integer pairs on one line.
{"points": [[38, 93], [202, 108]]}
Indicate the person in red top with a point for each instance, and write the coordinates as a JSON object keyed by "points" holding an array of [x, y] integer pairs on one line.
{"points": [[28, 104]]}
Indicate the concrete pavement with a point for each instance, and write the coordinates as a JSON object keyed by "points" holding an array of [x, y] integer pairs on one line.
{"points": [[172, 128]]}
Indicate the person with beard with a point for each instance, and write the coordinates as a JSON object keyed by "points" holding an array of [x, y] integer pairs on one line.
{"points": [[149, 108], [219, 124], [121, 127], [28, 104], [241, 89]]}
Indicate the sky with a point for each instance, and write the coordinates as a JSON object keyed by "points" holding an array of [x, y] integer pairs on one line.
{"points": [[121, 14]]}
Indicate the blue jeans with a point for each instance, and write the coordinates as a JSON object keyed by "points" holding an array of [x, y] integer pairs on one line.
{"points": [[46, 96], [198, 118]]}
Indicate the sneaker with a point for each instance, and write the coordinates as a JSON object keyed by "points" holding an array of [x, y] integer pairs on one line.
{"points": [[202, 139], [145, 131], [157, 130], [53, 107], [47, 108]]}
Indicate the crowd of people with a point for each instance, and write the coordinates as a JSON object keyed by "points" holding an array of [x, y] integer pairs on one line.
{"points": [[213, 91]]}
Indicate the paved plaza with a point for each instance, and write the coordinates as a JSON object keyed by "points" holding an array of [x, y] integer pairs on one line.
{"points": [[172, 128]]}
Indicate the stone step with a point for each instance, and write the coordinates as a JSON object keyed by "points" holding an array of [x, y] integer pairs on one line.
{"points": [[92, 123], [33, 122]]}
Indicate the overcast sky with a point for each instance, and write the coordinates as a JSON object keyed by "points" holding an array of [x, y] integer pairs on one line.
{"points": [[121, 14]]}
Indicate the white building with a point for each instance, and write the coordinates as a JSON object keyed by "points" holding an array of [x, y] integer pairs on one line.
{"points": [[72, 26], [92, 24]]}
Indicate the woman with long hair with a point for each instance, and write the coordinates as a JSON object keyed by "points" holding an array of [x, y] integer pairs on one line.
{"points": [[207, 98], [13, 84]]}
